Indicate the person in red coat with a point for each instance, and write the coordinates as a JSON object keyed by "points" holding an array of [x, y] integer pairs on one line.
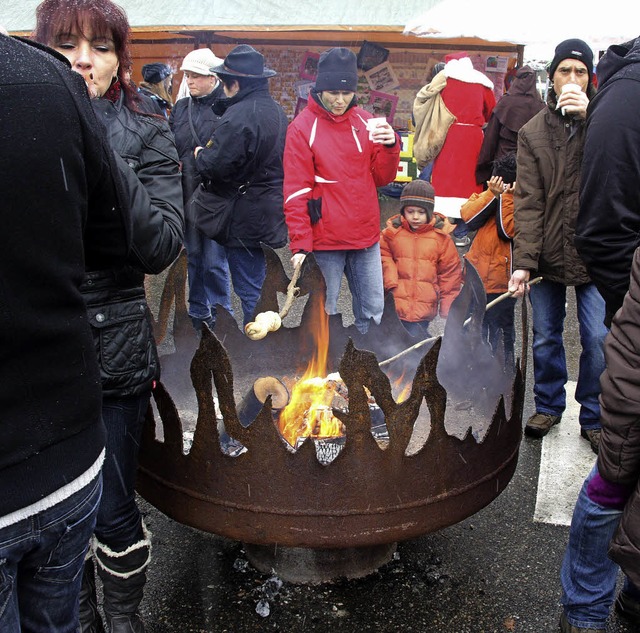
{"points": [[468, 95], [333, 162], [420, 263]]}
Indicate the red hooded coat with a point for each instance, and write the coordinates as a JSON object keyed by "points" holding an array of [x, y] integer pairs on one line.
{"points": [[331, 157]]}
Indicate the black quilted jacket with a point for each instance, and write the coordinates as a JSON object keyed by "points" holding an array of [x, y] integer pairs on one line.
{"points": [[115, 299]]}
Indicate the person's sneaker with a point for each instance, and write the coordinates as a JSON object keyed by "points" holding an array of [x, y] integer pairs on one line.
{"points": [[628, 607], [565, 627], [539, 424], [593, 435]]}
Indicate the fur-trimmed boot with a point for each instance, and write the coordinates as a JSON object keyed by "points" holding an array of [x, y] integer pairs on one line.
{"points": [[90, 620], [123, 576]]}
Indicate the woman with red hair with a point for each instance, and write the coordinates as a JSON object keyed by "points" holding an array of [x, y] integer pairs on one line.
{"points": [[93, 35]]}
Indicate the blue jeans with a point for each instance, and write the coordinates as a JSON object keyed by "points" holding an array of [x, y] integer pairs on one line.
{"points": [[208, 275], [549, 362], [41, 562], [119, 522], [588, 575], [363, 269], [498, 323], [248, 269]]}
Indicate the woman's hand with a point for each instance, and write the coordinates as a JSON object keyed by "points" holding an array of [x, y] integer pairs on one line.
{"points": [[383, 134]]}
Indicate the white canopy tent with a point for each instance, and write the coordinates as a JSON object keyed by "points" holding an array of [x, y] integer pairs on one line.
{"points": [[539, 25]]}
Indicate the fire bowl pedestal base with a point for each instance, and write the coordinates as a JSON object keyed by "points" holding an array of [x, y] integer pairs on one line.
{"points": [[305, 566]]}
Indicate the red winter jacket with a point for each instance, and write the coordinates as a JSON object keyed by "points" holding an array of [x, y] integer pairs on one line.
{"points": [[422, 269], [331, 157]]}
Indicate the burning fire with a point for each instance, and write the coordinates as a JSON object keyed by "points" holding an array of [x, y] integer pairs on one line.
{"points": [[309, 412]]}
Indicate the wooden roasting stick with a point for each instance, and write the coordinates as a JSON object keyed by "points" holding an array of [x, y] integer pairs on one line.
{"points": [[497, 300], [271, 321]]}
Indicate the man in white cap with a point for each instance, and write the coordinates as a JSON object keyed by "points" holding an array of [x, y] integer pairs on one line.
{"points": [[193, 121]]}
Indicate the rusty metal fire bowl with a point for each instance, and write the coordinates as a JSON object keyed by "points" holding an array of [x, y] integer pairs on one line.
{"points": [[310, 520]]}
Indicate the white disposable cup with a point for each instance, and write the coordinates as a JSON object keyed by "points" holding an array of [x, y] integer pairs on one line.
{"points": [[372, 124], [568, 88]]}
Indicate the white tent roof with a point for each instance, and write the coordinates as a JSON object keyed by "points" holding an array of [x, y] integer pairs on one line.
{"points": [[539, 24], [19, 15]]}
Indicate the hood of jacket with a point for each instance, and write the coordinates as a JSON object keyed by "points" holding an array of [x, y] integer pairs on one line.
{"points": [[616, 59], [522, 101], [224, 103]]}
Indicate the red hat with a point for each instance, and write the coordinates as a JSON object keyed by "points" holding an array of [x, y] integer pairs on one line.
{"points": [[459, 55]]}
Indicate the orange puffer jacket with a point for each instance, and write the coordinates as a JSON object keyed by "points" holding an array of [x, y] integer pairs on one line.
{"points": [[422, 269], [490, 252]]}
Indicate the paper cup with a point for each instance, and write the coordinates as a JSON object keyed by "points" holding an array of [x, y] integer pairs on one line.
{"points": [[372, 124]]}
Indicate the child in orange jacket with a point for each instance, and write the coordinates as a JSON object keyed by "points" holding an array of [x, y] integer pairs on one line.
{"points": [[420, 263], [491, 214]]}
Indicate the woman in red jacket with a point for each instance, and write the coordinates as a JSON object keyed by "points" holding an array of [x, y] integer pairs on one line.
{"points": [[420, 263], [332, 166]]}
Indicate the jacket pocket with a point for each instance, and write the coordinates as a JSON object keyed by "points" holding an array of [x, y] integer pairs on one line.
{"points": [[123, 337]]}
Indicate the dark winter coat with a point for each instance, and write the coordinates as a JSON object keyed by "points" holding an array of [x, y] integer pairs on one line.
{"points": [[247, 147], [546, 196], [514, 109], [59, 208], [204, 121], [619, 454], [608, 226], [115, 298]]}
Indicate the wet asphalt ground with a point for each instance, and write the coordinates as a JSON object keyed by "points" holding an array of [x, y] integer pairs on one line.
{"points": [[495, 572]]}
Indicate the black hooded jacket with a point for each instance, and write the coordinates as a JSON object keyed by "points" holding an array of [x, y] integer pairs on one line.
{"points": [[247, 146], [608, 224], [514, 109]]}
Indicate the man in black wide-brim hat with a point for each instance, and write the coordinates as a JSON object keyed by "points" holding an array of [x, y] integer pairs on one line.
{"points": [[243, 160]]}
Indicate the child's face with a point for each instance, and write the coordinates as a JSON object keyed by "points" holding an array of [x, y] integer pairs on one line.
{"points": [[416, 216]]}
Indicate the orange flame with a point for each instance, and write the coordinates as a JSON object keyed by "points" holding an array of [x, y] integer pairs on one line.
{"points": [[403, 387], [309, 410]]}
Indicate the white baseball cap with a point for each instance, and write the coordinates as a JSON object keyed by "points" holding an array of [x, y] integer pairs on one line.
{"points": [[200, 61]]}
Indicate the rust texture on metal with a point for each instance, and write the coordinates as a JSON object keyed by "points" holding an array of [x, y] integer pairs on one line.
{"points": [[368, 495]]}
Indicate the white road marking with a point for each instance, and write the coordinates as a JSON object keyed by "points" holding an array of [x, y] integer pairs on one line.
{"points": [[565, 462]]}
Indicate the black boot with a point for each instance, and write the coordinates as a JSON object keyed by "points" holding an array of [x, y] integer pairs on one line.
{"points": [[90, 620], [123, 576]]}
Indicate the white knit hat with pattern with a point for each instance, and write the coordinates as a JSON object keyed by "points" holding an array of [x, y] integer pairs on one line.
{"points": [[200, 61]]}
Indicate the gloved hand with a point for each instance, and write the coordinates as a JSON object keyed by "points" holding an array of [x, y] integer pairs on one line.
{"points": [[297, 259], [314, 208]]}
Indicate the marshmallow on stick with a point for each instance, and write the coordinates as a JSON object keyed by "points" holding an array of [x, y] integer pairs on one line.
{"points": [[270, 321]]}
